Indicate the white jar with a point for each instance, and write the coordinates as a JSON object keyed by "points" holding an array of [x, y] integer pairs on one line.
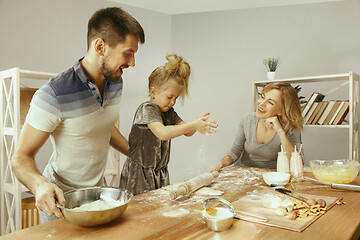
{"points": [[282, 162], [296, 165]]}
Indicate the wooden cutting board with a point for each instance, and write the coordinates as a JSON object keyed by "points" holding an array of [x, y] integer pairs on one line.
{"points": [[260, 206]]}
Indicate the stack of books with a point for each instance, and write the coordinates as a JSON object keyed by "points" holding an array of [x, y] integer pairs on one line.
{"points": [[319, 112]]}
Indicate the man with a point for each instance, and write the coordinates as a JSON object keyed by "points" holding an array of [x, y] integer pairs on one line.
{"points": [[78, 109]]}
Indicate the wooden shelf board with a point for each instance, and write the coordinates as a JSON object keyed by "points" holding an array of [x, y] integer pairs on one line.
{"points": [[325, 78], [326, 126], [36, 75], [9, 187], [9, 131]]}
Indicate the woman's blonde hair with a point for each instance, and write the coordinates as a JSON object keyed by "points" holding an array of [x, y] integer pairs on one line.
{"points": [[176, 68], [291, 116]]}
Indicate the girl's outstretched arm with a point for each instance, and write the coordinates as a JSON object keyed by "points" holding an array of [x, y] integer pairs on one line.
{"points": [[205, 117], [168, 132]]}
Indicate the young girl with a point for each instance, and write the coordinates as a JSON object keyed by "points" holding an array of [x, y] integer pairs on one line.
{"points": [[155, 123]]}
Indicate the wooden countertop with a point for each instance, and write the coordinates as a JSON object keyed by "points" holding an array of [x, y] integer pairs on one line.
{"points": [[154, 216]]}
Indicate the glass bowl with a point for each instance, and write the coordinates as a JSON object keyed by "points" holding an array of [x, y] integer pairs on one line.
{"points": [[335, 171]]}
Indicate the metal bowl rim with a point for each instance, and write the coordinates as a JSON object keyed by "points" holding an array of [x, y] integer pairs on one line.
{"points": [[227, 203], [203, 215], [95, 188], [344, 162]]}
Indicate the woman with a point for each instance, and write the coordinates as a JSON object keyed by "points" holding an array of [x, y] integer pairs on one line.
{"points": [[277, 121]]}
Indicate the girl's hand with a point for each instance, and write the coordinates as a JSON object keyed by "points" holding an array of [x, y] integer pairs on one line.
{"points": [[204, 116], [273, 122], [205, 125]]}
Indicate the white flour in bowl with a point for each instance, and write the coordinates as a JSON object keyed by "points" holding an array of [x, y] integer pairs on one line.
{"points": [[221, 213], [99, 205]]}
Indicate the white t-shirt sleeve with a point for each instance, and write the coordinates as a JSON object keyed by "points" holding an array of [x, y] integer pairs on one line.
{"points": [[41, 119], [44, 113]]}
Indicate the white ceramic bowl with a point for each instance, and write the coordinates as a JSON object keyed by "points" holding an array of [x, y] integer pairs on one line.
{"points": [[276, 178]]}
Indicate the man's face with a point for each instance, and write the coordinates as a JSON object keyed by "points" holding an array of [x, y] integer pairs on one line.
{"points": [[117, 59]]}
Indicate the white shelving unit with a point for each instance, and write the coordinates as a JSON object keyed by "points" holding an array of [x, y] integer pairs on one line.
{"points": [[352, 80], [13, 109]]}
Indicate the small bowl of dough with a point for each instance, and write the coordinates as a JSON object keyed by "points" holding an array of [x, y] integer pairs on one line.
{"points": [[335, 171], [276, 178], [220, 221], [94, 206], [222, 215]]}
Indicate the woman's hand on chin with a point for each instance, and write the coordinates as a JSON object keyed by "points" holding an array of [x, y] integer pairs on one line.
{"points": [[273, 122]]}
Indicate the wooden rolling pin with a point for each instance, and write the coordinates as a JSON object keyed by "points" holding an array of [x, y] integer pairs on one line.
{"points": [[193, 184]]}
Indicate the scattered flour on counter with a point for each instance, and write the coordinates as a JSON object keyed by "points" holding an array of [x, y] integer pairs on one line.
{"points": [[99, 205], [208, 191], [53, 231], [203, 191], [230, 179], [240, 178], [189, 200], [176, 213], [182, 206], [268, 198]]}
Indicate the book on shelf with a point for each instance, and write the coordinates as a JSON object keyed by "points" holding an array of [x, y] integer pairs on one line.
{"points": [[310, 112], [315, 97], [326, 112], [315, 112], [336, 113], [320, 112], [342, 113], [331, 113]]}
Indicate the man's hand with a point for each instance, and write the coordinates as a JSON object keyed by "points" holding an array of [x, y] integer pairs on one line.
{"points": [[47, 195]]}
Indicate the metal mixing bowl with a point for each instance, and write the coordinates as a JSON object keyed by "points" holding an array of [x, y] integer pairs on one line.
{"points": [[335, 171], [218, 223], [79, 197]]}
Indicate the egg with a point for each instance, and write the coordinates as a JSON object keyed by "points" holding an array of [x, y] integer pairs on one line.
{"points": [[321, 203], [292, 215], [281, 211], [311, 202]]}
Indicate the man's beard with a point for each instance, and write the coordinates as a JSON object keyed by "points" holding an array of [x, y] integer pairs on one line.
{"points": [[108, 74]]}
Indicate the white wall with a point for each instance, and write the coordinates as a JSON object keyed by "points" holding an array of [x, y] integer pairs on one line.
{"points": [[50, 35], [225, 50]]}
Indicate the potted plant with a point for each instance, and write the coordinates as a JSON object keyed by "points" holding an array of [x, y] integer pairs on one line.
{"points": [[271, 65]]}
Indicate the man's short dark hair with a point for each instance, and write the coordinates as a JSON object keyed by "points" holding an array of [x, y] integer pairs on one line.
{"points": [[113, 25]]}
